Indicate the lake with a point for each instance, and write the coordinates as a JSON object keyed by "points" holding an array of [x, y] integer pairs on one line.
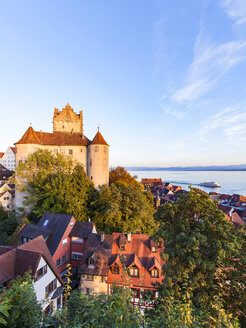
{"points": [[232, 182]]}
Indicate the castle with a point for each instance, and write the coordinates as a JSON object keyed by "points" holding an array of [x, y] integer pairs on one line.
{"points": [[68, 139]]}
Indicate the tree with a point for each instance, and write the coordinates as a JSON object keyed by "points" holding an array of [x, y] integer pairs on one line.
{"points": [[202, 245], [120, 174], [8, 224], [54, 183], [123, 208], [23, 310]]}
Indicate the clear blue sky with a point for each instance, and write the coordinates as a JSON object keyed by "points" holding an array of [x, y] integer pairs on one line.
{"points": [[166, 80]]}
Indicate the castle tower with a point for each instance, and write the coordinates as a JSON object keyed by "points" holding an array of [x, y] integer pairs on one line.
{"points": [[98, 161], [67, 120]]}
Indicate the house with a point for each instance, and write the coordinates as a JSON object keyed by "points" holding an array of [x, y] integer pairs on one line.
{"points": [[68, 139], [55, 229], [7, 159], [224, 199], [94, 267], [7, 199], [231, 215], [107, 259], [65, 238], [78, 239], [238, 200], [147, 183], [34, 258], [4, 173]]}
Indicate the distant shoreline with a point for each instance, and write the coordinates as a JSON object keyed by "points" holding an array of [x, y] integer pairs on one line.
{"points": [[227, 168]]}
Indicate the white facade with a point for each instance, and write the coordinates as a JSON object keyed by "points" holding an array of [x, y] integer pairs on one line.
{"points": [[41, 284], [7, 200], [8, 159]]}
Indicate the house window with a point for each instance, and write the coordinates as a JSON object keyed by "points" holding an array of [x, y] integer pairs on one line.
{"points": [[115, 269], [90, 162], [70, 151], [81, 150], [40, 273], [90, 277], [51, 287], [45, 222], [77, 256], [91, 178], [91, 262], [58, 302], [105, 149], [77, 240], [64, 242], [24, 240], [154, 273], [134, 272], [58, 262], [135, 292], [96, 148], [153, 249], [122, 248], [64, 258]]}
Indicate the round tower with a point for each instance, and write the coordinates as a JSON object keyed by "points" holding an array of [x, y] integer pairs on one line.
{"points": [[98, 161]]}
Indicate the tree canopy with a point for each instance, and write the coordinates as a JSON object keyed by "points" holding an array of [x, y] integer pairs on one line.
{"points": [[55, 183], [120, 174], [201, 245], [122, 208]]}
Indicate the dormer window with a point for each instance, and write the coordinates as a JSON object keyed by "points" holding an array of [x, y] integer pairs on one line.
{"points": [[115, 269], [153, 249], [45, 222], [134, 271], [122, 248], [154, 273], [91, 263]]}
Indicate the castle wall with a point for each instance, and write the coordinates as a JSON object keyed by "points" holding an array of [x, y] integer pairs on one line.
{"points": [[98, 164], [67, 126]]}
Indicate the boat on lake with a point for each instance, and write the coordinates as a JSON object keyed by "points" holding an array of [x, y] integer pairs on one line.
{"points": [[211, 184]]}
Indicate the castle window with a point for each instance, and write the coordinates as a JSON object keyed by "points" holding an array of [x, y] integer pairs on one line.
{"points": [[134, 272], [96, 148], [105, 149], [90, 163], [63, 127], [154, 273], [91, 178], [70, 151], [81, 150]]}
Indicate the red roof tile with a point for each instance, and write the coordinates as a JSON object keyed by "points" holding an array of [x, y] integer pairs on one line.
{"points": [[99, 140], [55, 138], [1, 154]]}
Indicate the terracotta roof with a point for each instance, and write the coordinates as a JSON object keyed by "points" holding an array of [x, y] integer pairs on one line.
{"points": [[1, 154], [137, 251], [55, 138], [13, 149], [235, 218], [99, 140], [225, 209]]}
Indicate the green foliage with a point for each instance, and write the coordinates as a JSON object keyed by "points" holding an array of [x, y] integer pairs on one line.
{"points": [[8, 224], [122, 208], [120, 174], [54, 183], [203, 246], [4, 313], [23, 309]]}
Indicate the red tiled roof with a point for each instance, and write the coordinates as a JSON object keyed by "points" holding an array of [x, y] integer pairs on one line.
{"points": [[1, 154], [236, 219], [99, 140], [55, 138], [39, 245]]}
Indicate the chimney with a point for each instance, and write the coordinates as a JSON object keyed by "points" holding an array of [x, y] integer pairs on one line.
{"points": [[129, 237], [138, 231], [102, 237]]}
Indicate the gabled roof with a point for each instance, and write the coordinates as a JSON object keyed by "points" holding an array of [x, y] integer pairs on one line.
{"points": [[99, 140], [154, 263], [134, 260], [82, 229], [55, 138], [100, 250], [51, 225], [38, 245]]}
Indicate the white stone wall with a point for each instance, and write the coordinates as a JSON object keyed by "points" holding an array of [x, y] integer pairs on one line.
{"points": [[39, 285], [98, 164]]}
